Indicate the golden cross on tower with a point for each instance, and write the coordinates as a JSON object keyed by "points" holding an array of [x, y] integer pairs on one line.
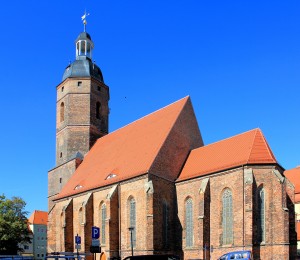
{"points": [[83, 18]]}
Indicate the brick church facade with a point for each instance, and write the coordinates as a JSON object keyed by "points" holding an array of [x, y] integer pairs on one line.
{"points": [[157, 177]]}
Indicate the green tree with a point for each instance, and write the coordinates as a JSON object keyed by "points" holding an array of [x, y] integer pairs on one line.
{"points": [[13, 225]]}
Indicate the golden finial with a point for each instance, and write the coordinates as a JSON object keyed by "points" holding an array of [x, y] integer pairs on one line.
{"points": [[83, 18]]}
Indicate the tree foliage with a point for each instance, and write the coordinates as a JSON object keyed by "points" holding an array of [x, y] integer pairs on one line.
{"points": [[13, 225]]}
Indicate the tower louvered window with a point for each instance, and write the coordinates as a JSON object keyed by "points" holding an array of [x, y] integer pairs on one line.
{"points": [[132, 218], [165, 224], [62, 112], [98, 110], [261, 212], [103, 218], [189, 222], [227, 217]]}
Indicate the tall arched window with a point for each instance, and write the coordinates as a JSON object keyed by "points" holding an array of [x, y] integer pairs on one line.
{"points": [[261, 215], [80, 216], [165, 224], [132, 220], [227, 217], [103, 218], [189, 222], [62, 112], [98, 110]]}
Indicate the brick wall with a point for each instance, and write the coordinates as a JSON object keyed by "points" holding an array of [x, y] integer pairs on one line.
{"points": [[151, 192], [80, 128], [244, 184]]}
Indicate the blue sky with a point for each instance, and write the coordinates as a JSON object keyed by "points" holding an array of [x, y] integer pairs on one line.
{"points": [[238, 60]]}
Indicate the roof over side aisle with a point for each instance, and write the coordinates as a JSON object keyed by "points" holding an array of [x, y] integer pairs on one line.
{"points": [[149, 144], [247, 148], [294, 176]]}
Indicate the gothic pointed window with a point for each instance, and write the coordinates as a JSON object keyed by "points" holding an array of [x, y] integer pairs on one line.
{"points": [[80, 216], [62, 112], [261, 215], [227, 217], [165, 224], [132, 220], [103, 218], [189, 222], [98, 110]]}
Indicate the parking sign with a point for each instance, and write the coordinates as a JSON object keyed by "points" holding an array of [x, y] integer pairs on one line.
{"points": [[95, 232], [77, 240]]}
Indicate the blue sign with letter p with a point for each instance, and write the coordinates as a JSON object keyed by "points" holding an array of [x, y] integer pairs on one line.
{"points": [[95, 232], [77, 240]]}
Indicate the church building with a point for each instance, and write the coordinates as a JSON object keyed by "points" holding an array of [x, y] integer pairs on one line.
{"points": [[153, 187]]}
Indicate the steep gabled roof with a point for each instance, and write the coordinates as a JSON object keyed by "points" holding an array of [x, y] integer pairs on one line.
{"points": [[38, 218], [247, 148], [146, 145], [294, 176]]}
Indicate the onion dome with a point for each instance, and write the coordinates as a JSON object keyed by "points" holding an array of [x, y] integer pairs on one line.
{"points": [[83, 65]]}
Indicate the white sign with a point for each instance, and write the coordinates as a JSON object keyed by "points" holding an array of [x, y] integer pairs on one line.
{"points": [[95, 242], [78, 247]]}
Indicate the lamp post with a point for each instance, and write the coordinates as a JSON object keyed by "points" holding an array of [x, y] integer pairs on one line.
{"points": [[131, 229]]}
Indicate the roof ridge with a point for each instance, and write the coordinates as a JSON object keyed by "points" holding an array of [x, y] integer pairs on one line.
{"points": [[233, 136], [269, 148], [252, 145], [162, 108]]}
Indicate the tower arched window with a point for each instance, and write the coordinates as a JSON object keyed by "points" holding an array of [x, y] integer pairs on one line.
{"points": [[103, 218], [261, 215], [98, 110], [227, 217], [62, 112], [189, 222], [165, 224], [132, 219]]}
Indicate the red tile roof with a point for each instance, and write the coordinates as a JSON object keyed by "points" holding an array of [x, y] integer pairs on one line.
{"points": [[294, 176], [132, 150], [38, 218], [247, 148]]}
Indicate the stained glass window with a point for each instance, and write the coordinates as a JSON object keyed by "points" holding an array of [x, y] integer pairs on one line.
{"points": [[103, 218], [189, 222], [132, 216], [227, 217], [261, 212]]}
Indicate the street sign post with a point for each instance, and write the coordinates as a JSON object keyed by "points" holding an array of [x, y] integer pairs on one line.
{"points": [[95, 247], [78, 244]]}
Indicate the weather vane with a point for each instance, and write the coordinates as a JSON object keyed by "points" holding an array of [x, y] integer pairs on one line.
{"points": [[83, 18]]}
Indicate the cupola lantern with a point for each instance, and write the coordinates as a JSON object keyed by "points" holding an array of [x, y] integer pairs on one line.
{"points": [[84, 46]]}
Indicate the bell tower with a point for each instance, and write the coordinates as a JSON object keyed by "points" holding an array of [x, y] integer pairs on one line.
{"points": [[82, 104], [81, 113]]}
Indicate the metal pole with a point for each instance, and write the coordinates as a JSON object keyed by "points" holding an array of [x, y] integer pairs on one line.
{"points": [[131, 242], [77, 250], [131, 239]]}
